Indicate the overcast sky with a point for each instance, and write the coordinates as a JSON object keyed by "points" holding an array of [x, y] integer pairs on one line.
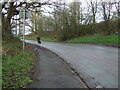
{"points": [[84, 3]]}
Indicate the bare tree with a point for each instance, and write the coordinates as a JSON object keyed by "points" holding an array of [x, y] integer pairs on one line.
{"points": [[93, 9], [117, 5], [106, 12], [10, 9]]}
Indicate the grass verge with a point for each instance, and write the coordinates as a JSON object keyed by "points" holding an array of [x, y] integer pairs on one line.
{"points": [[42, 38], [97, 39], [110, 39], [16, 64]]}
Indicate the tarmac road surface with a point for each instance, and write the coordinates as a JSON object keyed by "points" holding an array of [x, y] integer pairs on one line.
{"points": [[51, 72], [98, 65]]}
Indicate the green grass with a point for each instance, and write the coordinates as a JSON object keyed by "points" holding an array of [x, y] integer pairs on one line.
{"points": [[110, 39], [28, 38], [42, 38], [16, 65]]}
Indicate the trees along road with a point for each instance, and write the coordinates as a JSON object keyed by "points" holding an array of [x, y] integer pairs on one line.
{"points": [[97, 65]]}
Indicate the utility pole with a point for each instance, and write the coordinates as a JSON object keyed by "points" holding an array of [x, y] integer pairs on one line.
{"points": [[24, 14], [24, 31], [16, 22], [16, 26]]}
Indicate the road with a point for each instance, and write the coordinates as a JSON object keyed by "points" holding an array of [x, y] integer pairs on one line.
{"points": [[96, 64], [51, 72]]}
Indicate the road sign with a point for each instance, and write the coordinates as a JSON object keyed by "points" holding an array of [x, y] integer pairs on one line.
{"points": [[24, 14]]}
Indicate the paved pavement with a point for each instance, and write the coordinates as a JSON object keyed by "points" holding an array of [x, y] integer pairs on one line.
{"points": [[98, 65], [52, 72]]}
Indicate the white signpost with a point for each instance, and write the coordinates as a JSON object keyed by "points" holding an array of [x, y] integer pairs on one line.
{"points": [[24, 14]]}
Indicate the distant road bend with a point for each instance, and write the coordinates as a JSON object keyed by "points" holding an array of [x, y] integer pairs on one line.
{"points": [[96, 64]]}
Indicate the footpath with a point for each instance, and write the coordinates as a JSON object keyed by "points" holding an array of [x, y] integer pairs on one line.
{"points": [[51, 72]]}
